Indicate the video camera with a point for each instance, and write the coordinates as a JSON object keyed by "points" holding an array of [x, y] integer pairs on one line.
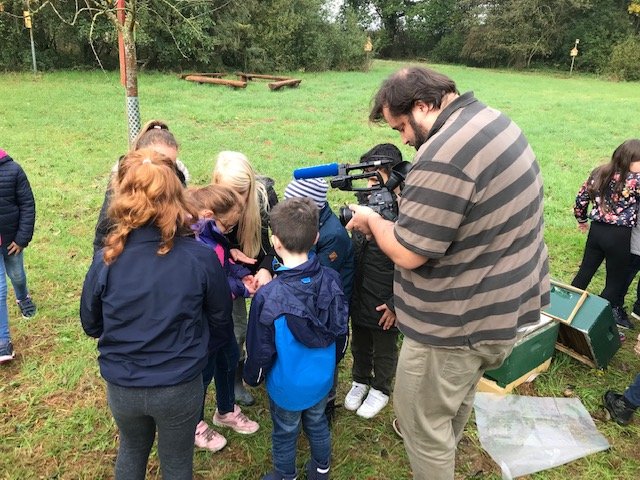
{"points": [[380, 197]]}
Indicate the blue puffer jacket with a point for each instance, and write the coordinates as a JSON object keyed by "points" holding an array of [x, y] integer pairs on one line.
{"points": [[297, 333], [334, 248], [17, 205]]}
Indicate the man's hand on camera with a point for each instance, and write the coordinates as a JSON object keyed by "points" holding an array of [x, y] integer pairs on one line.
{"points": [[360, 219]]}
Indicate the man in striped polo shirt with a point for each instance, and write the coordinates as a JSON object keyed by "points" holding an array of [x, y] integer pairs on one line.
{"points": [[471, 263]]}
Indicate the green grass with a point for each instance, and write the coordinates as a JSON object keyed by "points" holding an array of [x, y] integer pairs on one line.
{"points": [[68, 128]]}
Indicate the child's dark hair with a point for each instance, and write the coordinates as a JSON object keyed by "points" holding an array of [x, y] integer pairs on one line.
{"points": [[295, 222], [154, 132], [621, 160], [219, 199], [384, 151]]}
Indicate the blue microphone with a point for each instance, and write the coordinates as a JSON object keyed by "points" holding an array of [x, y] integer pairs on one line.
{"points": [[327, 170]]}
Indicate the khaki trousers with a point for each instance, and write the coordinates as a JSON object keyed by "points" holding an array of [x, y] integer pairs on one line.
{"points": [[433, 398]]}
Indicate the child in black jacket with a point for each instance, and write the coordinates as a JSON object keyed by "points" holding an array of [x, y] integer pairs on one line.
{"points": [[374, 335]]}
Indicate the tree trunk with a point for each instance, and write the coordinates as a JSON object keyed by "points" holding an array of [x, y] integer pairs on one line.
{"points": [[131, 84]]}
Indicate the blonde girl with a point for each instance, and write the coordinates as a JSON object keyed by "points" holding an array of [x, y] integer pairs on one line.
{"points": [[250, 240]]}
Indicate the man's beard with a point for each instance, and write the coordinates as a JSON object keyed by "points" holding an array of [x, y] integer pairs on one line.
{"points": [[420, 134]]}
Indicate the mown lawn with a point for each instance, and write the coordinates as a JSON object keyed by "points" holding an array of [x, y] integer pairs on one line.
{"points": [[68, 128]]}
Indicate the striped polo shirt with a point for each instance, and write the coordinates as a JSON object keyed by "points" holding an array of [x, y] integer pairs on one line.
{"points": [[472, 204]]}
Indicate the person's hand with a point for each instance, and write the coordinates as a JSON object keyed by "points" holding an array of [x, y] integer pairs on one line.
{"points": [[238, 256], [14, 248], [360, 219], [249, 282], [388, 318], [262, 277], [637, 346], [583, 227]]}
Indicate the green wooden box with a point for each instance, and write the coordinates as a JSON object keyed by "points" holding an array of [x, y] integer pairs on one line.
{"points": [[588, 331], [532, 350]]}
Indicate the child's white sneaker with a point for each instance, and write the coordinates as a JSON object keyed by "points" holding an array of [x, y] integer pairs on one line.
{"points": [[375, 401], [356, 395]]}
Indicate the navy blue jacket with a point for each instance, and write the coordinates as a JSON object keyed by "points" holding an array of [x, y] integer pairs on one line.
{"points": [[17, 205], [153, 314], [334, 248], [310, 301]]}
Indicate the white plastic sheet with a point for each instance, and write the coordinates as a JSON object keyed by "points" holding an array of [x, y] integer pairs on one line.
{"points": [[525, 435]]}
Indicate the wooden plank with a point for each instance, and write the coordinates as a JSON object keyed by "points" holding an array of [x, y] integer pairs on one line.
{"points": [[216, 81], [292, 82], [489, 386], [572, 353], [215, 75], [251, 76]]}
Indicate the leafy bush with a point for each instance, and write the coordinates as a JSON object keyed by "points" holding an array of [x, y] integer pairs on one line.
{"points": [[625, 59], [255, 35]]}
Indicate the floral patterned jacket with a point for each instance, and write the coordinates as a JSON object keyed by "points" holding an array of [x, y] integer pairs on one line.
{"points": [[623, 206]]}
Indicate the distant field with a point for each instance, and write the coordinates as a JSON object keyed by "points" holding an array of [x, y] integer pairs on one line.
{"points": [[68, 128]]}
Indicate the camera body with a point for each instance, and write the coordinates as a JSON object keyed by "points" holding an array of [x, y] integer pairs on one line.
{"points": [[380, 200], [381, 197]]}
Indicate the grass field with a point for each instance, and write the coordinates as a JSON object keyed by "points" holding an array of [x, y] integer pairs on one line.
{"points": [[68, 128]]}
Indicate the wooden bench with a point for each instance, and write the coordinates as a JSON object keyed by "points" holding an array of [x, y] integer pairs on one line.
{"points": [[291, 82], [216, 81]]}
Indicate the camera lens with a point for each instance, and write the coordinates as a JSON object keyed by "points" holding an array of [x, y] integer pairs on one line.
{"points": [[345, 216]]}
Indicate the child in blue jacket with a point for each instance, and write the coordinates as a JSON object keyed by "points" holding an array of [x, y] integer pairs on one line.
{"points": [[296, 335], [17, 218]]}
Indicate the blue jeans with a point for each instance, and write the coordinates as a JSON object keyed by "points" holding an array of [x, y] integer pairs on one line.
{"points": [[14, 265], [139, 411], [222, 369], [632, 393], [286, 428], [5, 337]]}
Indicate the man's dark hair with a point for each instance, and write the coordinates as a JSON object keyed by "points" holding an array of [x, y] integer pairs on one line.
{"points": [[403, 89], [295, 222]]}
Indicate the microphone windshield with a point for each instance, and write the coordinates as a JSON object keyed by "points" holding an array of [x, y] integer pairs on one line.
{"points": [[327, 170]]}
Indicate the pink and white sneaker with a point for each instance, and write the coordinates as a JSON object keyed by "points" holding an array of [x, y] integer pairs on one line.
{"points": [[236, 420], [208, 438]]}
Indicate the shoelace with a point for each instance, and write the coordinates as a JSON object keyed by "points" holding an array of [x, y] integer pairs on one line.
{"points": [[209, 433], [242, 418]]}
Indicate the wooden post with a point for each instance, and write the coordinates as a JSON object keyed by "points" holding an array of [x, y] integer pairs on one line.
{"points": [[121, 18], [28, 24], [574, 54]]}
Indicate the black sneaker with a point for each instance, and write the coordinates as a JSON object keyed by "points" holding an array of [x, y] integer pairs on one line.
{"points": [[618, 407], [27, 307], [621, 318], [6, 352]]}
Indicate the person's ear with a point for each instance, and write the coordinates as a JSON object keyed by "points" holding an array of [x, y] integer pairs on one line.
{"points": [[422, 106], [275, 241], [206, 213]]}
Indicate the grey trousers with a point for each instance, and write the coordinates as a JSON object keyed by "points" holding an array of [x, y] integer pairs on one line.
{"points": [[174, 411], [239, 314]]}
